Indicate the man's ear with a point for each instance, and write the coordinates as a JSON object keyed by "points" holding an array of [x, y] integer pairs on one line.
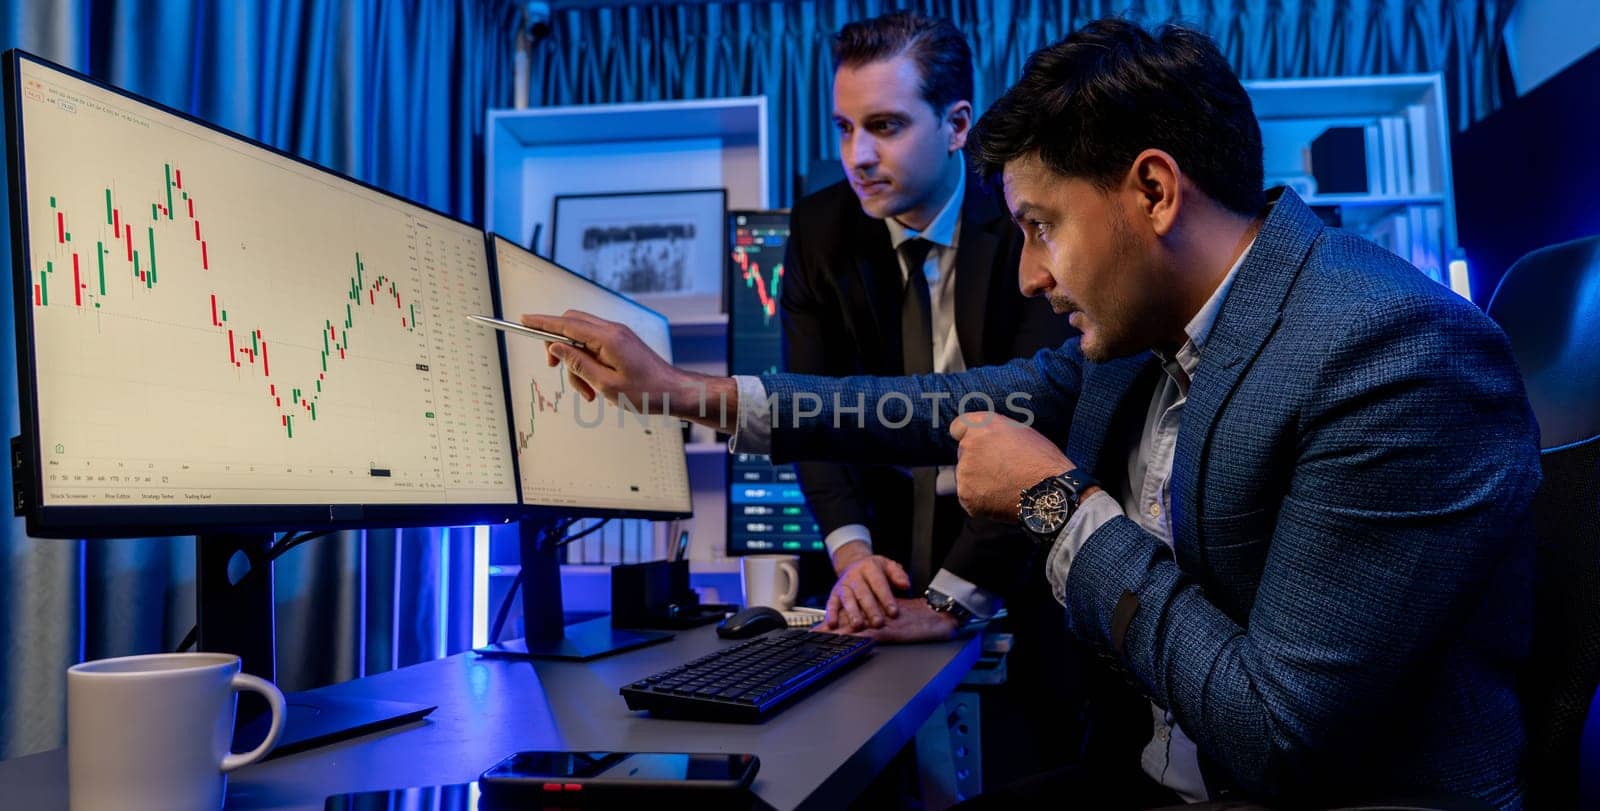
{"points": [[959, 118], [1155, 182]]}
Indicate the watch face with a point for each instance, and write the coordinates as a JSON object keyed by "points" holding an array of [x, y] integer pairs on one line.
{"points": [[945, 604], [1045, 508]]}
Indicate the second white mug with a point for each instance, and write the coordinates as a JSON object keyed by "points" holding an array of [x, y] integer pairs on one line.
{"points": [[770, 580]]}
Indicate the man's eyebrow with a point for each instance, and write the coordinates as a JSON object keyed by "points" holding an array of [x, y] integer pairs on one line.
{"points": [[876, 115], [1022, 211]]}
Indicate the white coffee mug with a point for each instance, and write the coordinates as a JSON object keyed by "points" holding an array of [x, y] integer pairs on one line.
{"points": [[155, 732], [770, 580]]}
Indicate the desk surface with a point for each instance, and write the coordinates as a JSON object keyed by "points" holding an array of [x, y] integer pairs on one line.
{"points": [[821, 751]]}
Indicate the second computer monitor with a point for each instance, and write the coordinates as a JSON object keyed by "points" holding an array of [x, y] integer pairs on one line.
{"points": [[588, 458], [766, 510]]}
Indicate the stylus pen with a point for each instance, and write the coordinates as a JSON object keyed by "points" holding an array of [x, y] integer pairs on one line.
{"points": [[512, 326]]}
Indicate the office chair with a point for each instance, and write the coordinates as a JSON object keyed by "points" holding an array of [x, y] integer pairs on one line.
{"points": [[1549, 305]]}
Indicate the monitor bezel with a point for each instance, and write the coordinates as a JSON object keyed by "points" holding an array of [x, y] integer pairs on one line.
{"points": [[492, 240], [117, 520]]}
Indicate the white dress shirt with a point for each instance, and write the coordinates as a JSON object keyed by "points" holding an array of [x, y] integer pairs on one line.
{"points": [[1170, 757]]}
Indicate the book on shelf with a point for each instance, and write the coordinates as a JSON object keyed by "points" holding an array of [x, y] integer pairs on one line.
{"points": [[1419, 132]]}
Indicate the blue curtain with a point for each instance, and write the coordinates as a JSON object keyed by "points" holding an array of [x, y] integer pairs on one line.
{"points": [[623, 52], [392, 92]]}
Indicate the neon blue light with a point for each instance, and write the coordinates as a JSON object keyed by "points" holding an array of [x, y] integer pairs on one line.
{"points": [[480, 586], [444, 595], [1459, 280]]}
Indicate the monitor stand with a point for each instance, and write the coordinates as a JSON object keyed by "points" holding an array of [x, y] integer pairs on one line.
{"points": [[548, 637], [236, 616]]}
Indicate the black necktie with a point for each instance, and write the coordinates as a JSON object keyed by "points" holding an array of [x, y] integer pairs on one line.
{"points": [[916, 347], [916, 319]]}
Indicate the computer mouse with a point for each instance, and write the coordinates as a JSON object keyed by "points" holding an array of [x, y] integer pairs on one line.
{"points": [[752, 621]]}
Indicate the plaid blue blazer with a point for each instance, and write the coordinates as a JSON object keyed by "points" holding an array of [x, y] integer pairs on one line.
{"points": [[1348, 600]]}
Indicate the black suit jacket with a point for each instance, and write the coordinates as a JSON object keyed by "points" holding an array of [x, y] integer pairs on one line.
{"points": [[841, 316]]}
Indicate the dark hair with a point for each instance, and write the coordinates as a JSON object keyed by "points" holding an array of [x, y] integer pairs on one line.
{"points": [[940, 50], [1089, 104]]}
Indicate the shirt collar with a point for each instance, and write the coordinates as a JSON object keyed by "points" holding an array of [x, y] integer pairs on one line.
{"points": [[1199, 327], [942, 231]]}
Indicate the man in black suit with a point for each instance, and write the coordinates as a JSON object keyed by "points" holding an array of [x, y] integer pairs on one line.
{"points": [[906, 266]]}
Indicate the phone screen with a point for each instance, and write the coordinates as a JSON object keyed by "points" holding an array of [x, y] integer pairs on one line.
{"points": [[625, 766]]}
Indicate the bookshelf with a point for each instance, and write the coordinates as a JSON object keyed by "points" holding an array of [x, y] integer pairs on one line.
{"points": [[534, 154], [1407, 204]]}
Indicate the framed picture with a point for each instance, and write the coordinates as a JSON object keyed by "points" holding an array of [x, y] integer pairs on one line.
{"points": [[661, 248]]}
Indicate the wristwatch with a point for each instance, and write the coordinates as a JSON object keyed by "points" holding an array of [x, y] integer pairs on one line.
{"points": [[1047, 506], [945, 604]]}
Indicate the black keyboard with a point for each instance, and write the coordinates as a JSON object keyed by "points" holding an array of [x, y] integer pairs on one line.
{"points": [[750, 681]]}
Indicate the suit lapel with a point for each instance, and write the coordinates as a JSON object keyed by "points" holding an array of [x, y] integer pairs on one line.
{"points": [[878, 271], [975, 257], [1247, 319], [1105, 387]]}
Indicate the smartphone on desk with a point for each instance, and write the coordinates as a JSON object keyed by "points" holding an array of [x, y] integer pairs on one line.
{"points": [[598, 779], [453, 797]]}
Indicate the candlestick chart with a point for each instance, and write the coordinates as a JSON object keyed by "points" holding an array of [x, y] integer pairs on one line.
{"points": [[212, 320]]}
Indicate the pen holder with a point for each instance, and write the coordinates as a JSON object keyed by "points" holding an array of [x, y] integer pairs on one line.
{"points": [[651, 595]]}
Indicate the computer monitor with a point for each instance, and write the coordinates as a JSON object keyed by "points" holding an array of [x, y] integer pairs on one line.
{"points": [[215, 334], [767, 512], [578, 458], [216, 337]]}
